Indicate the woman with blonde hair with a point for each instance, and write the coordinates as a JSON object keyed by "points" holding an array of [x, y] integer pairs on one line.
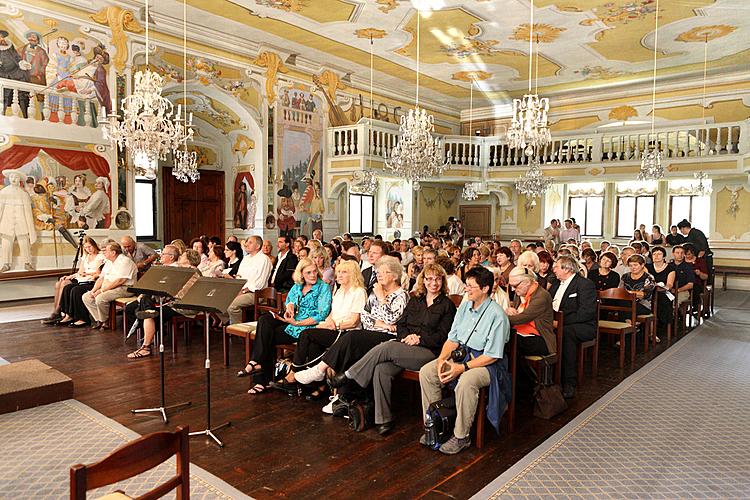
{"points": [[321, 259], [346, 306], [181, 246], [420, 334], [383, 308], [307, 304]]}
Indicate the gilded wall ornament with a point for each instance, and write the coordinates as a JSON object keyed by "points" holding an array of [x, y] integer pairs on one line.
{"points": [[370, 33], [544, 33], [469, 76], [386, 5], [119, 21], [622, 113], [274, 65], [243, 144]]}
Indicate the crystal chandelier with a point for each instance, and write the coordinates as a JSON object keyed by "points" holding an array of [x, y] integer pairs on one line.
{"points": [[185, 162], [365, 182], [418, 155], [470, 191], [533, 184], [651, 167], [529, 129], [147, 130]]}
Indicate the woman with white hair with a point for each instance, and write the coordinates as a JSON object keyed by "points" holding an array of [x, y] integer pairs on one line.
{"points": [[384, 307], [97, 207], [531, 314]]}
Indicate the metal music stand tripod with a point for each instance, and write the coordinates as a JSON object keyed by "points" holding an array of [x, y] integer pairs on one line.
{"points": [[162, 282], [210, 295]]}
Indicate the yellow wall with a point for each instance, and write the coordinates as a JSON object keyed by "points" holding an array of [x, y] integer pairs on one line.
{"points": [[437, 214]]}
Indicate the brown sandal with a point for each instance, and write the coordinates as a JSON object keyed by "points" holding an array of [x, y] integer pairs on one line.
{"points": [[143, 352]]}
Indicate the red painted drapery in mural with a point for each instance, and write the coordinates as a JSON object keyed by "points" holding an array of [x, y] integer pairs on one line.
{"points": [[17, 156]]}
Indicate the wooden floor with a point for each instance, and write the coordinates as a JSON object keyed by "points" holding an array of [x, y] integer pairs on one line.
{"points": [[279, 446]]}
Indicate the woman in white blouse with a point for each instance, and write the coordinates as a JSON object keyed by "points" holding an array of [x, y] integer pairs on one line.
{"points": [[346, 306], [70, 289], [214, 266]]}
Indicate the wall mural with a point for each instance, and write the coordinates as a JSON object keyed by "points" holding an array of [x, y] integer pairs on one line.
{"points": [[299, 125], [245, 201], [67, 188], [394, 204]]}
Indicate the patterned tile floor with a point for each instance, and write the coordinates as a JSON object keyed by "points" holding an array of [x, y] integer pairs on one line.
{"points": [[38, 446], [677, 428]]}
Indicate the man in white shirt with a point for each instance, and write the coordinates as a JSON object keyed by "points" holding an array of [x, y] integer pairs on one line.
{"points": [[569, 232], [118, 274], [255, 269], [516, 248], [622, 266], [406, 256], [552, 232]]}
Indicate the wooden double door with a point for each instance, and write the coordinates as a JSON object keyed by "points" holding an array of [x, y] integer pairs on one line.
{"points": [[193, 208]]}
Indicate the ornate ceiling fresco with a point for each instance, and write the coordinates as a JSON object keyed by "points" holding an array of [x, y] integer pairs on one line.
{"points": [[582, 43]]}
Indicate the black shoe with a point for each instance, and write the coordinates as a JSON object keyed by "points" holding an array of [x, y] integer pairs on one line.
{"points": [[52, 319], [569, 391], [148, 313], [384, 429], [339, 380], [290, 388]]}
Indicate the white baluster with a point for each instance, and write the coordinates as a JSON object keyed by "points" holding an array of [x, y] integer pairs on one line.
{"points": [[45, 109], [87, 118], [15, 108], [32, 106], [74, 112]]}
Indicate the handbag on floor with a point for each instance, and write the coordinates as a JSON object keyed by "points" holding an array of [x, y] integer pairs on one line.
{"points": [[439, 421], [548, 397], [361, 414]]}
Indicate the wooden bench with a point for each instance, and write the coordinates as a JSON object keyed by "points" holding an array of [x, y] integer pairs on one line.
{"points": [[730, 271]]}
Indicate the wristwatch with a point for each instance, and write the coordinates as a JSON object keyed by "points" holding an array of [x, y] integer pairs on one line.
{"points": [[466, 366]]}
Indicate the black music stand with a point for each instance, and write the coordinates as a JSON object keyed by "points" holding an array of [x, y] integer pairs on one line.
{"points": [[161, 282], [210, 295]]}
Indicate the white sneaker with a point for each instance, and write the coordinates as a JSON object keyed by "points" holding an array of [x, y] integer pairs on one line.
{"points": [[309, 376], [328, 409]]}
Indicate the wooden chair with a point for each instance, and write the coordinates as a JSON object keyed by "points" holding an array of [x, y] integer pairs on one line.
{"points": [[581, 356], [134, 458], [115, 306], [649, 321], [457, 299], [266, 300], [538, 363], [683, 313], [618, 328]]}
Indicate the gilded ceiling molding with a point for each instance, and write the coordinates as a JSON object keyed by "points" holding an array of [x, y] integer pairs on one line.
{"points": [[273, 64], [545, 33], [703, 33], [370, 33], [243, 144], [285, 5], [622, 113], [468, 76], [119, 20]]}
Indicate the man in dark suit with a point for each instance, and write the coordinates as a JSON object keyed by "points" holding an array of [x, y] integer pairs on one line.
{"points": [[377, 249], [575, 297], [286, 263]]}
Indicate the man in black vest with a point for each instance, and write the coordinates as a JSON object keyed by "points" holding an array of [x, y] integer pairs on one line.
{"points": [[575, 297], [286, 263], [698, 239]]}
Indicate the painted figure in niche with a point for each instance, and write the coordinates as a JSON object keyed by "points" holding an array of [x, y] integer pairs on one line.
{"points": [[13, 67], [252, 209], [96, 209], [317, 209], [240, 207], [16, 221], [394, 208], [285, 101], [42, 208], [287, 221], [60, 194], [77, 197], [58, 74]]}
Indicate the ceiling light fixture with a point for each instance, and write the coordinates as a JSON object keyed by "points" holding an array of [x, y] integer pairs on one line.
{"points": [[651, 166], [185, 162], [418, 155], [147, 130], [529, 129], [365, 181]]}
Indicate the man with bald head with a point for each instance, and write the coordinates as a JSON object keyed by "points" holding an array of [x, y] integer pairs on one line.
{"points": [[143, 255], [255, 269]]}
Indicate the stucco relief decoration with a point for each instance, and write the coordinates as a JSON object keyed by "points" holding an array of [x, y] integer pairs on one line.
{"points": [[622, 13], [445, 197], [285, 5], [274, 65], [595, 171], [598, 73], [205, 71], [544, 33], [469, 76], [700, 33], [734, 204], [328, 83], [370, 33], [471, 45], [243, 144], [622, 113], [119, 21], [386, 5]]}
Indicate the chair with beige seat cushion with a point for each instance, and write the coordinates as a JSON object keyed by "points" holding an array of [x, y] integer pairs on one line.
{"points": [[609, 301]]}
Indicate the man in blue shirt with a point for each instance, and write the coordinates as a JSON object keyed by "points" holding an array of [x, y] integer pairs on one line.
{"points": [[482, 326]]}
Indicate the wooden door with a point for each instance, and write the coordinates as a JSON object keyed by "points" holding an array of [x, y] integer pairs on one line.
{"points": [[476, 219], [193, 208]]}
